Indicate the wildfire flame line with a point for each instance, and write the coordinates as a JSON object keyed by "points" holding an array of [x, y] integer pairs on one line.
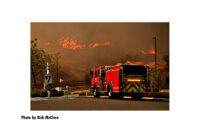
{"points": [[150, 52], [73, 44]]}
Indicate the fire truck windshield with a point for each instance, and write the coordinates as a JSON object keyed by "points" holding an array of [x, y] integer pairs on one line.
{"points": [[134, 70]]}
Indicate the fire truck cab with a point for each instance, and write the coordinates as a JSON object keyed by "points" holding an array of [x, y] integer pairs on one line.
{"points": [[121, 80], [98, 79]]}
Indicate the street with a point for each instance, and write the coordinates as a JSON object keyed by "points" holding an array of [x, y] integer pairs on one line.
{"points": [[104, 103]]}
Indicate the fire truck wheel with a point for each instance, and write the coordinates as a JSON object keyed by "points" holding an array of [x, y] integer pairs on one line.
{"points": [[119, 96], [96, 94]]}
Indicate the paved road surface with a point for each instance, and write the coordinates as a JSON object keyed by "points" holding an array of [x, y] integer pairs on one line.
{"points": [[99, 104]]}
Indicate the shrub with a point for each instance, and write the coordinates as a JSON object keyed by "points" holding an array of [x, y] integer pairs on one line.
{"points": [[53, 93], [56, 93], [38, 93], [43, 93], [35, 93], [60, 93]]}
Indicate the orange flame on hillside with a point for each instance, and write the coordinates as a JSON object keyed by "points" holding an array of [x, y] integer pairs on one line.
{"points": [[73, 44], [150, 52], [69, 43], [93, 45]]}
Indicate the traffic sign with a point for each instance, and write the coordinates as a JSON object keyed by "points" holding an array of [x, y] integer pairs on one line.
{"points": [[48, 78]]}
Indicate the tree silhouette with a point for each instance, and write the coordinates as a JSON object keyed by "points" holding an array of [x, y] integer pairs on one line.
{"points": [[39, 59], [166, 59]]}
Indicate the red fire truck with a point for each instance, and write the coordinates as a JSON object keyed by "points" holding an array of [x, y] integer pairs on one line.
{"points": [[121, 80]]}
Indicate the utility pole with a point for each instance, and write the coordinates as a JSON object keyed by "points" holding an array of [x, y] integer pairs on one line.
{"points": [[156, 74], [155, 54], [57, 68]]}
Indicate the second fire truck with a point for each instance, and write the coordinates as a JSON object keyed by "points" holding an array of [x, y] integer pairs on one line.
{"points": [[121, 80]]}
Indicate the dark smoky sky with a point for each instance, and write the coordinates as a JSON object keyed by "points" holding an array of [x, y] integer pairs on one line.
{"points": [[125, 38]]}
